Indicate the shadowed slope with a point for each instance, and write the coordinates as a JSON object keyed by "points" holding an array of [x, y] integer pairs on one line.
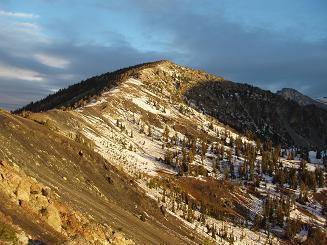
{"points": [[248, 108]]}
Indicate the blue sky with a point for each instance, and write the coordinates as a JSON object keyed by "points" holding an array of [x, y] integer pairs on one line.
{"points": [[48, 44]]}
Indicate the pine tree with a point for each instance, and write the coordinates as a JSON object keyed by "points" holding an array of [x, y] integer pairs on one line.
{"points": [[252, 170], [257, 222], [226, 174], [231, 170], [320, 177], [165, 134], [185, 167], [190, 213], [213, 231], [169, 158], [190, 156], [214, 167], [173, 205], [238, 146], [305, 155], [204, 149], [229, 156], [222, 151], [325, 162], [280, 216], [292, 228], [303, 198], [293, 180], [211, 126]]}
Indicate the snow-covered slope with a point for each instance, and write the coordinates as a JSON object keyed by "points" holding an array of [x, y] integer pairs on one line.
{"points": [[145, 128]]}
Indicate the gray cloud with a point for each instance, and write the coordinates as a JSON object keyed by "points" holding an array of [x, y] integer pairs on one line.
{"points": [[18, 58], [197, 37], [86, 61], [269, 59]]}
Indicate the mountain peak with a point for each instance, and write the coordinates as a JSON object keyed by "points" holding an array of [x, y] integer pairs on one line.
{"points": [[162, 82], [75, 95], [298, 97], [322, 100], [288, 90], [153, 138]]}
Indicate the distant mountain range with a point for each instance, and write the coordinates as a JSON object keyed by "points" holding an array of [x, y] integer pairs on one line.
{"points": [[9, 107], [323, 100], [301, 99]]}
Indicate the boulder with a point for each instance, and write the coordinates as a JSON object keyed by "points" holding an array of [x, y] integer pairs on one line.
{"points": [[35, 188], [119, 239], [53, 217], [10, 181], [46, 191], [39, 202], [77, 240], [23, 191]]}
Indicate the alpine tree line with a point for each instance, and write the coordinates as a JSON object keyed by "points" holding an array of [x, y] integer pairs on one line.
{"points": [[259, 160]]}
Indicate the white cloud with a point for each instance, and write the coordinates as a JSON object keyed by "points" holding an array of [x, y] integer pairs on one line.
{"points": [[52, 61], [20, 36], [27, 25], [18, 14], [11, 72]]}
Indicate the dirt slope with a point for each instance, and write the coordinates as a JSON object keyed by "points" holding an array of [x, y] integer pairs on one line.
{"points": [[85, 181]]}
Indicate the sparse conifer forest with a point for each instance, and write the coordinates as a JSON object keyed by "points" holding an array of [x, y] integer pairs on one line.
{"points": [[160, 153]]}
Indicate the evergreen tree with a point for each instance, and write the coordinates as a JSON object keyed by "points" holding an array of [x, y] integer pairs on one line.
{"points": [[226, 174], [222, 152], [185, 167], [320, 177], [204, 149], [231, 170], [238, 146], [292, 228], [165, 134], [303, 198]]}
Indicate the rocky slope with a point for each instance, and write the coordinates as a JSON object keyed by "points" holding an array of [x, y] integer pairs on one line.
{"points": [[143, 153], [38, 211], [84, 183], [301, 99], [243, 107]]}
